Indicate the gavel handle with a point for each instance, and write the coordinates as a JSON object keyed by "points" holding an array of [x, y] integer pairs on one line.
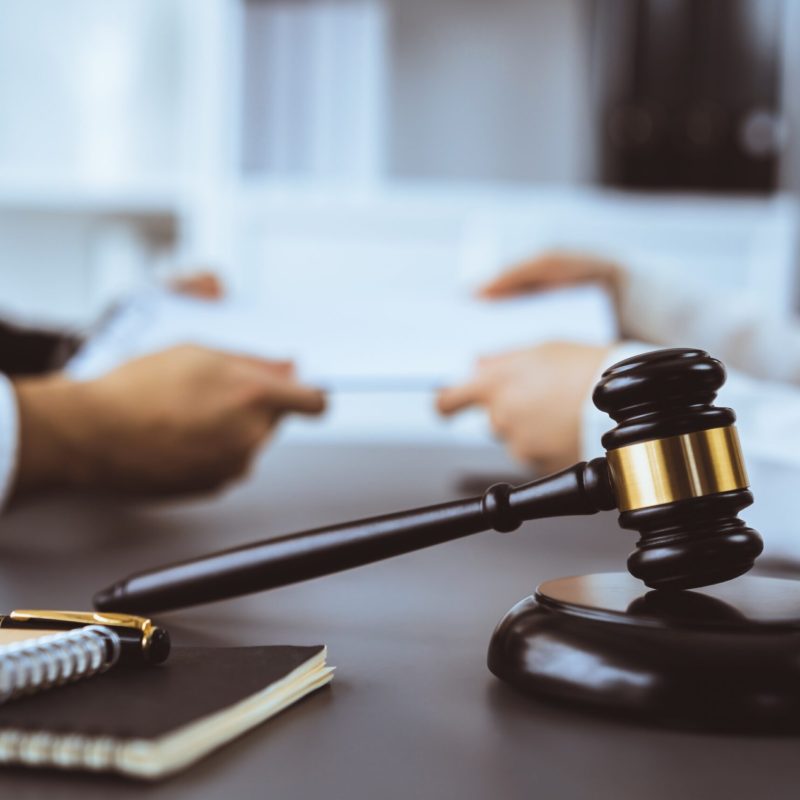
{"points": [[582, 489]]}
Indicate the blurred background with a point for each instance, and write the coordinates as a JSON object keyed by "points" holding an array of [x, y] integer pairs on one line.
{"points": [[357, 154]]}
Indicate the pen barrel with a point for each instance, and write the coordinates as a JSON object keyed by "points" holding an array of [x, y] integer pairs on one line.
{"points": [[132, 652], [582, 489]]}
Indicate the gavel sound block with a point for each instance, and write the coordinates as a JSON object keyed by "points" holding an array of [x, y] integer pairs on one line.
{"points": [[725, 658], [674, 470]]}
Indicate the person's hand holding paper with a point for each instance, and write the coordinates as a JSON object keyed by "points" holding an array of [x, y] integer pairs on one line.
{"points": [[553, 270], [182, 421], [383, 330], [534, 396]]}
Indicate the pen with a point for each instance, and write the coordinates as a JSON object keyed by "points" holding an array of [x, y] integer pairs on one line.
{"points": [[141, 641]]}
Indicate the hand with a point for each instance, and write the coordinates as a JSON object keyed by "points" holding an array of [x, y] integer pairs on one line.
{"points": [[185, 420], [202, 285], [551, 271], [534, 399]]}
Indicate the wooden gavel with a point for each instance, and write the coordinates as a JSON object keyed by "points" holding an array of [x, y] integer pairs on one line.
{"points": [[673, 468]]}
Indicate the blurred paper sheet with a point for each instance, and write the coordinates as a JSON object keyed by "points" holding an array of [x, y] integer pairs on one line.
{"points": [[352, 342]]}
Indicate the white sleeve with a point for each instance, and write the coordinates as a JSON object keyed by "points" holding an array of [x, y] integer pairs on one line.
{"points": [[656, 307], [9, 438], [768, 419]]}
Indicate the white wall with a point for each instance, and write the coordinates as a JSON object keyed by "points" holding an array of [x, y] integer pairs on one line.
{"points": [[44, 266], [791, 97], [490, 90]]}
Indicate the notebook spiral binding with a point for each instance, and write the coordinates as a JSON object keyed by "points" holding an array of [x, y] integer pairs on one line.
{"points": [[42, 663], [68, 751], [33, 665]]}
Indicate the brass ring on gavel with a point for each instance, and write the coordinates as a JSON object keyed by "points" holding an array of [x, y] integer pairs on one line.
{"points": [[679, 467]]}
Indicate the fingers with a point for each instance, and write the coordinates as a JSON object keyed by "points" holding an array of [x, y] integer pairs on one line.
{"points": [[282, 367], [551, 271], [489, 373], [453, 399], [279, 390], [527, 276], [204, 285], [281, 394]]}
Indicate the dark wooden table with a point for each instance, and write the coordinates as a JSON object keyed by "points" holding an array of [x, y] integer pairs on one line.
{"points": [[413, 711]]}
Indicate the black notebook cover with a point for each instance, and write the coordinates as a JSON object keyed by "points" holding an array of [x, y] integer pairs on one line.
{"points": [[151, 703]]}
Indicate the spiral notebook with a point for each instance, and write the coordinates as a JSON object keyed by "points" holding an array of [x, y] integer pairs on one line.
{"points": [[151, 722], [30, 664]]}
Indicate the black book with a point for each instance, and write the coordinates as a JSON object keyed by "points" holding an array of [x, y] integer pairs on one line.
{"points": [[153, 721]]}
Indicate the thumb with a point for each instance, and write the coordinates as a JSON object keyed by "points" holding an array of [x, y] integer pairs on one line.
{"points": [[285, 394], [546, 271], [453, 399], [525, 276]]}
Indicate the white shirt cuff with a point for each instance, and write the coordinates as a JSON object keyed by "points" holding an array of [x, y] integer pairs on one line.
{"points": [[9, 438]]}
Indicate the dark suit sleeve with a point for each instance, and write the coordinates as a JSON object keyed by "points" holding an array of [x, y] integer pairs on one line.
{"points": [[30, 352]]}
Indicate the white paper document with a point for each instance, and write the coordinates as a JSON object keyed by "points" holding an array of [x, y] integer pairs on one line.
{"points": [[398, 339]]}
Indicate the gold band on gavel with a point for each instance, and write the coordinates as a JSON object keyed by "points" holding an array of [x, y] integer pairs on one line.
{"points": [[676, 468]]}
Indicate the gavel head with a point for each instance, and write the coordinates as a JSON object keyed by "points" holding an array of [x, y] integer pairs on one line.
{"points": [[676, 469]]}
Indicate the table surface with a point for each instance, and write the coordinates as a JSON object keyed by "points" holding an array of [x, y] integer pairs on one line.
{"points": [[413, 710]]}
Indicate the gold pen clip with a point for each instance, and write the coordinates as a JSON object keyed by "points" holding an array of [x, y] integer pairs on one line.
{"points": [[144, 626]]}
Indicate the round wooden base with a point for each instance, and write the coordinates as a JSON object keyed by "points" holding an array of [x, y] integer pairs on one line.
{"points": [[724, 658]]}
